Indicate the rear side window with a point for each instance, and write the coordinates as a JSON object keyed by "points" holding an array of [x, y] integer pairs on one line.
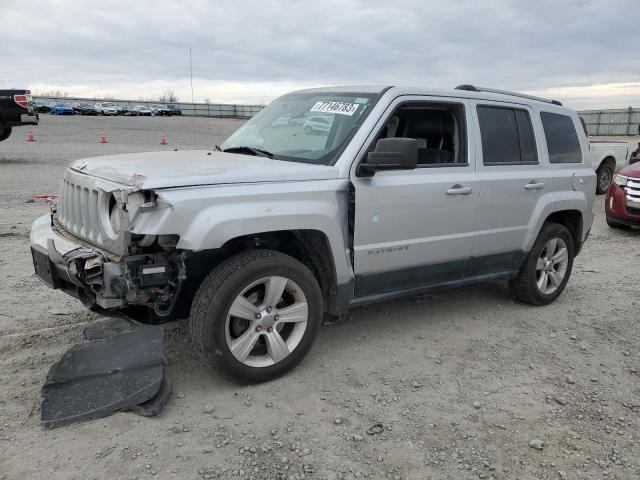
{"points": [[562, 139], [507, 136]]}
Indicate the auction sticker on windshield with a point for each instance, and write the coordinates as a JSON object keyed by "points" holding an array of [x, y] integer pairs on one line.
{"points": [[341, 108]]}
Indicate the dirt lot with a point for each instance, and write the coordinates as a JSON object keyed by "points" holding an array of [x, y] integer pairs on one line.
{"points": [[464, 382]]}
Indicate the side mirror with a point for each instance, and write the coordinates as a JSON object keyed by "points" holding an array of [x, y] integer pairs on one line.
{"points": [[390, 154]]}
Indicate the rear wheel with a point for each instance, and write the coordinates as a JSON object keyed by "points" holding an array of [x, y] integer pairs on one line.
{"points": [[256, 316], [547, 269], [5, 132], [605, 176]]}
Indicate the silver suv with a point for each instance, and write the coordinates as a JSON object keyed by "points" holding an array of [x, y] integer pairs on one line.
{"points": [[410, 189]]}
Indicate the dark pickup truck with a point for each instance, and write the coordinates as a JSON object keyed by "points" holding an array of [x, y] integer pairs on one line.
{"points": [[16, 109]]}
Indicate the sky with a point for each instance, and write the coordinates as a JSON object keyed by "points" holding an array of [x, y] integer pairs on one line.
{"points": [[583, 53]]}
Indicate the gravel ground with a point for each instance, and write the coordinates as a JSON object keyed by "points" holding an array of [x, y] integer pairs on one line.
{"points": [[464, 384]]}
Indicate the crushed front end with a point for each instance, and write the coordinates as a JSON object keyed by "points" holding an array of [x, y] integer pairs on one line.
{"points": [[88, 247]]}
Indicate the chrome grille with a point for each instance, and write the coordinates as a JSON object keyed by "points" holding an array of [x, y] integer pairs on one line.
{"points": [[83, 209], [632, 191]]}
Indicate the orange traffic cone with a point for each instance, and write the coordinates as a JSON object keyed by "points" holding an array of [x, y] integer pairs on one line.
{"points": [[163, 140], [30, 137], [103, 138]]}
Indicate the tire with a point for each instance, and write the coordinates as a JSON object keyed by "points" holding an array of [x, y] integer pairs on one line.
{"points": [[617, 225], [529, 286], [5, 132], [243, 280], [605, 177]]}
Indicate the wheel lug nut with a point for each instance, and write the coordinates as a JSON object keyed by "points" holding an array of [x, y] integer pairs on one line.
{"points": [[258, 316], [276, 317], [268, 309], [258, 328], [269, 329]]}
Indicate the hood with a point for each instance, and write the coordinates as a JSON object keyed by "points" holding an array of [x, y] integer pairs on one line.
{"points": [[631, 170], [151, 170]]}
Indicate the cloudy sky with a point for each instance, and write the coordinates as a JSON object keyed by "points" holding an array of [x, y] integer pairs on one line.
{"points": [[584, 53]]}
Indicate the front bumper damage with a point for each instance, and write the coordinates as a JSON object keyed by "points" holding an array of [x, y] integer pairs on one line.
{"points": [[99, 278]]}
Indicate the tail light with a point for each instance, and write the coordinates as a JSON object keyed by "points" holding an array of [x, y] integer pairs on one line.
{"points": [[22, 100]]}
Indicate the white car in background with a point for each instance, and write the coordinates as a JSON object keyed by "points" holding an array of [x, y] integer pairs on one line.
{"points": [[106, 108], [317, 124], [608, 158]]}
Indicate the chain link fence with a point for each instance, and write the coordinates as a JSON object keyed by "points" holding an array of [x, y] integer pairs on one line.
{"points": [[612, 122], [191, 109]]}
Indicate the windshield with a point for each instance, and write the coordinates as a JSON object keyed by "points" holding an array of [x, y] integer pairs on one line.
{"points": [[311, 127]]}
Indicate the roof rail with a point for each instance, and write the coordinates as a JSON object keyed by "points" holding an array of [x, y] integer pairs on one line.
{"points": [[473, 88]]}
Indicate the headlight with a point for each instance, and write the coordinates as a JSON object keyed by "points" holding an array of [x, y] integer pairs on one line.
{"points": [[620, 180]]}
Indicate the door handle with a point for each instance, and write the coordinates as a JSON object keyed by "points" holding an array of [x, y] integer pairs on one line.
{"points": [[533, 185], [458, 189]]}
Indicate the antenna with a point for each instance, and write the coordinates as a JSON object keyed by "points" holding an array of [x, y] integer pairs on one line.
{"points": [[193, 106]]}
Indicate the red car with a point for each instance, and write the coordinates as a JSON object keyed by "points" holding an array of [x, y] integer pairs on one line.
{"points": [[622, 202]]}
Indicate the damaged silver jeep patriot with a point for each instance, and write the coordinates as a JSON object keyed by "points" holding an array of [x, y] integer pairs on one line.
{"points": [[326, 200]]}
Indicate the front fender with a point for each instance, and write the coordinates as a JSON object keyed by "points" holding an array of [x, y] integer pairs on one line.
{"points": [[206, 218]]}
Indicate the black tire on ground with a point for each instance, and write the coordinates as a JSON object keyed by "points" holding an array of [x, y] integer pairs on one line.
{"points": [[613, 224], [5, 132], [525, 286], [207, 321], [605, 177]]}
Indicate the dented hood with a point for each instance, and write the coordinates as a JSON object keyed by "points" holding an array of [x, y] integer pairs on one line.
{"points": [[153, 170]]}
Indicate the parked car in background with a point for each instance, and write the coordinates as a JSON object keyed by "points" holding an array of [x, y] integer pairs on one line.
{"points": [[622, 203], [16, 110], [86, 108], [414, 189], [160, 110], [175, 109], [129, 110], [142, 110], [608, 158], [106, 108], [40, 107], [635, 156], [317, 124], [59, 108]]}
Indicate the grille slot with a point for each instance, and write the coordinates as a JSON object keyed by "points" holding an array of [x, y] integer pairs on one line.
{"points": [[632, 197], [79, 210]]}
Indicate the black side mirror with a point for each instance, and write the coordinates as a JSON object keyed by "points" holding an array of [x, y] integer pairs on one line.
{"points": [[390, 154]]}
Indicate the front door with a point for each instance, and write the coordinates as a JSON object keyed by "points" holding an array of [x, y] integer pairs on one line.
{"points": [[416, 227]]}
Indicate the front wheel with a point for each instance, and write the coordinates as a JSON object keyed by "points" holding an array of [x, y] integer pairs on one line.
{"points": [[256, 316], [547, 269], [613, 224]]}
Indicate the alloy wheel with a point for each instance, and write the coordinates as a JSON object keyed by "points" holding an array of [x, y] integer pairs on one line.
{"points": [[266, 321], [551, 266]]}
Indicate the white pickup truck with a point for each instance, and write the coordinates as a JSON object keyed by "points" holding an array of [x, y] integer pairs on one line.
{"points": [[608, 158]]}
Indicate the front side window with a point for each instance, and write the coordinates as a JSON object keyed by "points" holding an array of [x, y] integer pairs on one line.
{"points": [[439, 129], [312, 127], [562, 139], [507, 136]]}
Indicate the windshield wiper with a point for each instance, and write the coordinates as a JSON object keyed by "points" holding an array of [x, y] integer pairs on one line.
{"points": [[244, 149]]}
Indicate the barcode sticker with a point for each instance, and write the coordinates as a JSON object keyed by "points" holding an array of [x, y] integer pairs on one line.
{"points": [[340, 108]]}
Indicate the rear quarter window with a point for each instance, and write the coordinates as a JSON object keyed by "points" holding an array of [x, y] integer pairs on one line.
{"points": [[562, 140]]}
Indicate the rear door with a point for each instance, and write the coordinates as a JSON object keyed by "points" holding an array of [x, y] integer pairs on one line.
{"points": [[416, 227], [513, 180]]}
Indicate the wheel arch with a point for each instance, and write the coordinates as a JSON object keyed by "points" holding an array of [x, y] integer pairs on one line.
{"points": [[572, 220], [311, 247], [608, 160]]}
